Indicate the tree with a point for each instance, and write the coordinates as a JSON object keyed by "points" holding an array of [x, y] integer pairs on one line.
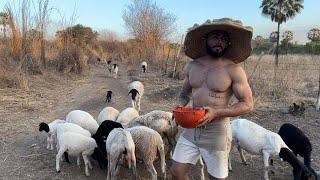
{"points": [[4, 21], [280, 11], [79, 35], [42, 16], [314, 34], [273, 38], [149, 24], [259, 40], [287, 37]]}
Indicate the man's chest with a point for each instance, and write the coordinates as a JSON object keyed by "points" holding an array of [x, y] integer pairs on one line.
{"points": [[214, 78]]}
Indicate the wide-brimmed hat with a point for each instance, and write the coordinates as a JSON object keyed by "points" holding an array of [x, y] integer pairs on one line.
{"points": [[239, 48]]}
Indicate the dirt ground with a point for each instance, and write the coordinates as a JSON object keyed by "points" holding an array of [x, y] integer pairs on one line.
{"points": [[22, 148]]}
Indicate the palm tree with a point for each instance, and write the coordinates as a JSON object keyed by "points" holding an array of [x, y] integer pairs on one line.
{"points": [[314, 34], [280, 11]]}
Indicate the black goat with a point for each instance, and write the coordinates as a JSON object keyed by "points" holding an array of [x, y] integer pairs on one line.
{"points": [[108, 97]]}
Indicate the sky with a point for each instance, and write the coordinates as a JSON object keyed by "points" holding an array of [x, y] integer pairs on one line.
{"points": [[107, 14]]}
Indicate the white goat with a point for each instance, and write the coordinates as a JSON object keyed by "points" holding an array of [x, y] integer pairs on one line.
{"points": [[119, 142], [83, 119], [108, 113], [148, 142], [136, 89], [50, 130], [255, 139], [127, 115], [75, 144]]}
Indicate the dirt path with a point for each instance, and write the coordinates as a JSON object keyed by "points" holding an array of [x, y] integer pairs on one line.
{"points": [[22, 148]]}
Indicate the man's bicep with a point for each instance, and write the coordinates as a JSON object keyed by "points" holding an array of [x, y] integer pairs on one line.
{"points": [[240, 86]]}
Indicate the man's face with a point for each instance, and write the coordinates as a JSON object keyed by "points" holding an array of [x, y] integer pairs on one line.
{"points": [[217, 43]]}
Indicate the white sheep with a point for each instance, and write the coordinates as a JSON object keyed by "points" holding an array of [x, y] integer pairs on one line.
{"points": [[70, 127], [148, 142], [108, 113], [144, 66], [115, 70], [75, 144], [50, 130], [119, 142], [127, 115], [160, 121], [255, 139], [83, 119], [136, 89]]}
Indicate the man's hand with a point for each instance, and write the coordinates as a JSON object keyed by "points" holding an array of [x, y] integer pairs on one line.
{"points": [[210, 115]]}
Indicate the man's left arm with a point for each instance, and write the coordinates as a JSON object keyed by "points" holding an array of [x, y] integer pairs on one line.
{"points": [[241, 90]]}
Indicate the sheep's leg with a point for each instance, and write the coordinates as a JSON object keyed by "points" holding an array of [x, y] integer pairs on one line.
{"points": [[58, 158], [78, 161], [243, 159], [132, 103], [229, 157], [109, 169], [163, 160], [52, 139], [266, 156], [114, 164], [152, 170], [86, 163], [201, 168], [48, 142], [134, 165]]}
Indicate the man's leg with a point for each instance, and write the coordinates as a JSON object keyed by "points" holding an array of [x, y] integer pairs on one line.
{"points": [[185, 154], [179, 171]]}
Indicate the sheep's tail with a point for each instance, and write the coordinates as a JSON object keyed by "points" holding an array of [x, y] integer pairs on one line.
{"points": [[130, 147], [160, 149]]}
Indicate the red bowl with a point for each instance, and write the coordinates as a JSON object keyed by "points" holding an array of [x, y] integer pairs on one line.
{"points": [[188, 117]]}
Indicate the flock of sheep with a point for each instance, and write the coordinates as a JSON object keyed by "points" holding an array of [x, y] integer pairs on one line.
{"points": [[125, 137]]}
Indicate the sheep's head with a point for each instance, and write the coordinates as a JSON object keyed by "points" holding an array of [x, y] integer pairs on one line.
{"points": [[44, 127]]}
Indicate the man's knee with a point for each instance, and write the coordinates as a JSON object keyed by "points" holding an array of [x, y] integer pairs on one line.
{"points": [[179, 170]]}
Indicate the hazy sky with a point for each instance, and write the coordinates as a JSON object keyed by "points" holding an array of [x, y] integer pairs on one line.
{"points": [[107, 14]]}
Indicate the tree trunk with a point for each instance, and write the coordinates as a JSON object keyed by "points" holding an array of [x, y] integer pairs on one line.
{"points": [[42, 50], [167, 61], [277, 48]]}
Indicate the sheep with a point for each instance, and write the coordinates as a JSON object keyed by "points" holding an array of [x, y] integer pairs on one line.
{"points": [[70, 127], [75, 144], [148, 142], [100, 154], [255, 139], [108, 97], [119, 142], [298, 142], [300, 171], [136, 89], [108, 113], [296, 109], [127, 115], [160, 121], [50, 130], [83, 119], [115, 70], [144, 66]]}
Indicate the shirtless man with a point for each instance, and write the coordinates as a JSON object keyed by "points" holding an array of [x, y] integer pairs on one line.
{"points": [[211, 80]]}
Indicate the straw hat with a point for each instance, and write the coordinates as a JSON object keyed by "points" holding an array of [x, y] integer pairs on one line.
{"points": [[239, 48]]}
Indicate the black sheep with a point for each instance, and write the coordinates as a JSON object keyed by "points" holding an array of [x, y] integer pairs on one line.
{"points": [[100, 153], [298, 142]]}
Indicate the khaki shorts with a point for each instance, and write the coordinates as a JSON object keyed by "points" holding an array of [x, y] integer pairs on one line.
{"points": [[216, 161]]}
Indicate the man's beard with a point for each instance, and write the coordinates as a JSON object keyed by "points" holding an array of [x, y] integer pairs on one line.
{"points": [[215, 53]]}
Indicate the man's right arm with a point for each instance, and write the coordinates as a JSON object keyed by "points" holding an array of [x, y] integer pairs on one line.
{"points": [[184, 95]]}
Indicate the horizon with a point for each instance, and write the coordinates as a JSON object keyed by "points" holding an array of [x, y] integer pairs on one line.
{"points": [[107, 15]]}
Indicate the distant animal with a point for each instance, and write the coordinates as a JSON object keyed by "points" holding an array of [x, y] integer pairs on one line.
{"points": [[136, 89], [109, 65], [144, 66], [296, 109], [108, 97], [115, 70]]}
